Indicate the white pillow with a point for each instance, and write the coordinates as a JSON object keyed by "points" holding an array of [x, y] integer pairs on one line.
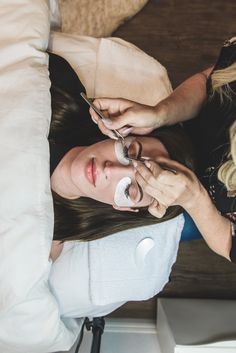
{"points": [[29, 315], [131, 265]]}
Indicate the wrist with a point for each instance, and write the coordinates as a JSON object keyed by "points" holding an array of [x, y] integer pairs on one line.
{"points": [[161, 114], [199, 200]]}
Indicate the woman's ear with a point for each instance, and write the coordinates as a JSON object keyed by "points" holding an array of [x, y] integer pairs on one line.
{"points": [[125, 209]]}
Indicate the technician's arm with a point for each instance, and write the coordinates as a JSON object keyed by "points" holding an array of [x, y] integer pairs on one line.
{"points": [[185, 102], [215, 229], [129, 117]]}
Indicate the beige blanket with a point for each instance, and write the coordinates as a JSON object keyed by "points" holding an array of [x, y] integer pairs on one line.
{"points": [[97, 18], [111, 67]]}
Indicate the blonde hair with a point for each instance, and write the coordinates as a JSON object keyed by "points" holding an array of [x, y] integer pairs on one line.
{"points": [[227, 172], [221, 79], [220, 84]]}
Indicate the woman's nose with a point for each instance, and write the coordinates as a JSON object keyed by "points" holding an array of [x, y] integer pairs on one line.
{"points": [[118, 170]]}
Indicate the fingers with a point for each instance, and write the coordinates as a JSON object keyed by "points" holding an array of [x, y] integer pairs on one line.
{"points": [[126, 130], [125, 116], [123, 121], [150, 185], [113, 106], [182, 173], [108, 124], [106, 131], [176, 186], [146, 176], [156, 209], [115, 118], [176, 166], [97, 120], [151, 173], [163, 185], [129, 209]]}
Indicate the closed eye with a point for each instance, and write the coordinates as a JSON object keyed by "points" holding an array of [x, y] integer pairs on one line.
{"points": [[137, 156], [122, 192], [140, 192], [133, 155], [127, 191], [126, 152]]}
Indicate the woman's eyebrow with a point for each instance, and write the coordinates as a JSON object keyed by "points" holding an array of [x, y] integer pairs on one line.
{"points": [[138, 158], [140, 150], [141, 193]]}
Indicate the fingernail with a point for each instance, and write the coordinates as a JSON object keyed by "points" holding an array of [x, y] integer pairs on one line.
{"points": [[147, 164], [94, 119], [155, 203], [127, 131], [113, 136], [135, 164], [107, 122]]}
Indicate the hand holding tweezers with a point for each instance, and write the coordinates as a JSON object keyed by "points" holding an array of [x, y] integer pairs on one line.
{"points": [[100, 114]]}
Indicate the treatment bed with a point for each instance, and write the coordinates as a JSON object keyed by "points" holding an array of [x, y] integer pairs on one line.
{"points": [[31, 310]]}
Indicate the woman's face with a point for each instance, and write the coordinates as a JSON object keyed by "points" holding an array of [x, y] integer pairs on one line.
{"points": [[103, 172]]}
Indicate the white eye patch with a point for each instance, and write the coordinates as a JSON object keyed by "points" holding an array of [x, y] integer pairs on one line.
{"points": [[120, 197], [119, 149]]}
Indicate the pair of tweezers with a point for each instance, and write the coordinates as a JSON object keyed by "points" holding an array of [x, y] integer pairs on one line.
{"points": [[100, 114]]}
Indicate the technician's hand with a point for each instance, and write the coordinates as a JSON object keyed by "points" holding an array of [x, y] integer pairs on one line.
{"points": [[125, 116], [56, 249], [169, 183]]}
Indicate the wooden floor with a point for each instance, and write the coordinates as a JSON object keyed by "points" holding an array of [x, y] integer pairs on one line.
{"points": [[185, 36]]}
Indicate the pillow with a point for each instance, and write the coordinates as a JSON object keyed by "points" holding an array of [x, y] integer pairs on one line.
{"points": [[29, 314], [71, 272], [131, 265], [97, 18]]}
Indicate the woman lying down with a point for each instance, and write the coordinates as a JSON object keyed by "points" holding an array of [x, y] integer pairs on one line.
{"points": [[94, 189]]}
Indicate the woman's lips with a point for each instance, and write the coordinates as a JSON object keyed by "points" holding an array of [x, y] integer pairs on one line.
{"points": [[91, 171]]}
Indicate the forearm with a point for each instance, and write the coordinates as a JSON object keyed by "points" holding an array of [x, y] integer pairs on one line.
{"points": [[186, 100], [215, 229]]}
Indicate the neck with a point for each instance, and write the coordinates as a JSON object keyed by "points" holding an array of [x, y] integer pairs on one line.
{"points": [[61, 181]]}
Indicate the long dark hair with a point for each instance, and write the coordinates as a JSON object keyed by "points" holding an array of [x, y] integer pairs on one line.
{"points": [[86, 219]]}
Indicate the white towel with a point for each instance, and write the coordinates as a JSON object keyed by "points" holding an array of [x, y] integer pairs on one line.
{"points": [[133, 264]]}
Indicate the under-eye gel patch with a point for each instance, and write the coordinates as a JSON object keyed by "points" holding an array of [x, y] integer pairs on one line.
{"points": [[119, 149], [121, 198]]}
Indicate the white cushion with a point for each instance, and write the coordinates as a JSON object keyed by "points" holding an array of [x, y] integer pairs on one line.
{"points": [[70, 282], [133, 264], [29, 315], [129, 265]]}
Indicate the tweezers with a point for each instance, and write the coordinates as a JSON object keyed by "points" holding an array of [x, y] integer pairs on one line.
{"points": [[99, 113]]}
